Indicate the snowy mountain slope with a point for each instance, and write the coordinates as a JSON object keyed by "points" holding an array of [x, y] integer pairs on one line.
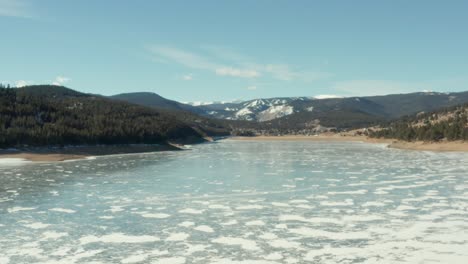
{"points": [[254, 110], [327, 110], [386, 107]]}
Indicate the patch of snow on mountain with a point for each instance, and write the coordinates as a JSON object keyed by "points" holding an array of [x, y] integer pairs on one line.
{"points": [[275, 112], [256, 103], [230, 109], [243, 112], [278, 101], [310, 109], [199, 103], [281, 109]]}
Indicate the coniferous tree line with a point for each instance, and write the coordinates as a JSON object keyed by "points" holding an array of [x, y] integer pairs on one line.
{"points": [[57, 116], [449, 124]]}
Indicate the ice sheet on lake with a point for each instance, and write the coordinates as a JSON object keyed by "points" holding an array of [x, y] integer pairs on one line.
{"points": [[239, 202]]}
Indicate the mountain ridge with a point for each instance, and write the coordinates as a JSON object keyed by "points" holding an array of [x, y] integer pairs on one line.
{"points": [[300, 112], [49, 115], [270, 116]]}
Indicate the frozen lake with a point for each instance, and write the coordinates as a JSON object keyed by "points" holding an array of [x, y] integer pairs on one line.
{"points": [[239, 202]]}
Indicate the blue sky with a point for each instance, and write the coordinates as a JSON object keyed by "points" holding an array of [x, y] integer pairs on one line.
{"points": [[226, 50]]}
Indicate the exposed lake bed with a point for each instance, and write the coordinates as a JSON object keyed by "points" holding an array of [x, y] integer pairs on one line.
{"points": [[239, 202]]}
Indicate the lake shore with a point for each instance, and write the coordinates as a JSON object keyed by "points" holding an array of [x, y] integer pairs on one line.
{"points": [[80, 152], [391, 143], [83, 152]]}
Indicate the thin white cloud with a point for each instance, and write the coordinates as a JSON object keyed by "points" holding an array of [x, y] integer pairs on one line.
{"points": [[288, 73], [228, 71], [187, 77], [182, 57], [61, 80], [15, 8], [383, 87], [196, 61], [22, 83], [277, 71], [375, 87], [281, 71], [252, 87], [327, 96], [224, 62]]}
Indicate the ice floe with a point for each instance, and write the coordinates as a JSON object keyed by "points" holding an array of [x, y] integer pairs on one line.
{"points": [[191, 211], [156, 215], [245, 244], [178, 237], [118, 238], [63, 210], [204, 228]]}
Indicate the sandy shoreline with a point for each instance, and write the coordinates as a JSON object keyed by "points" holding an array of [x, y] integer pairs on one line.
{"points": [[392, 143], [81, 152]]}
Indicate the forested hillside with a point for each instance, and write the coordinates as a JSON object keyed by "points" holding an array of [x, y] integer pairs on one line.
{"points": [[185, 113], [448, 123], [55, 116], [155, 101]]}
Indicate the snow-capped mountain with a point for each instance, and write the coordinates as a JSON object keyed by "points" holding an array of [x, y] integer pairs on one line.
{"points": [[306, 109], [254, 110], [325, 110]]}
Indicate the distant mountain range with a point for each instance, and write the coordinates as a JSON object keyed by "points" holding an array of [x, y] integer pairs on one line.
{"points": [[301, 112]]}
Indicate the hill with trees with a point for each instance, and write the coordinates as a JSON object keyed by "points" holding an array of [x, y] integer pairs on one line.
{"points": [[445, 124], [47, 115], [155, 101]]}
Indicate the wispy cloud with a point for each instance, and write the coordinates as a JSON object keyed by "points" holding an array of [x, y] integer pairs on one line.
{"points": [[288, 73], [196, 61], [61, 80], [16, 8], [187, 77], [22, 83], [224, 62], [371, 87], [229, 71], [252, 88], [327, 96], [278, 71], [182, 57], [382, 87]]}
